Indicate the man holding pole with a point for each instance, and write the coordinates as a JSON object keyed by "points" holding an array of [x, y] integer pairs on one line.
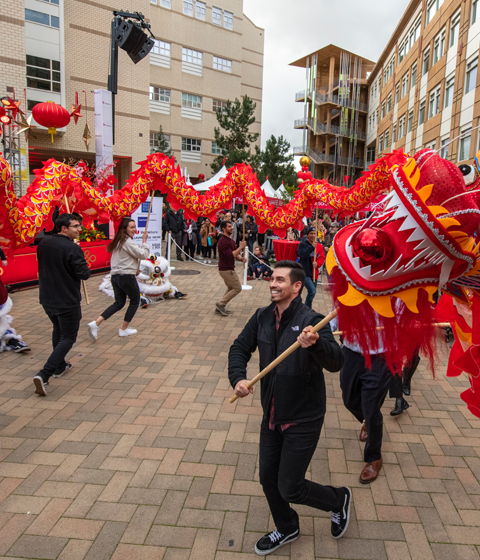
{"points": [[293, 397], [61, 267], [227, 253]]}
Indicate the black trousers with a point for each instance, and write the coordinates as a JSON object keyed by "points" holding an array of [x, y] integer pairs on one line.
{"points": [[363, 392], [66, 323], [284, 459], [124, 285], [396, 385], [207, 251]]}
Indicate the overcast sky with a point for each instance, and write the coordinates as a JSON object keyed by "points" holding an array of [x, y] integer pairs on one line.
{"points": [[295, 29]]}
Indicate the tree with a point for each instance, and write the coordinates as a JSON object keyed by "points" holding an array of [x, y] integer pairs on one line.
{"points": [[276, 163], [288, 193], [235, 118], [163, 145]]}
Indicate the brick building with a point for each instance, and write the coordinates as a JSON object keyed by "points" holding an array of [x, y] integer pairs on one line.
{"points": [[203, 56], [423, 89]]}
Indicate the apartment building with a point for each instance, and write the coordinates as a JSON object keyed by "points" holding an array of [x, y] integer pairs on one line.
{"points": [[203, 55], [335, 107], [423, 91]]}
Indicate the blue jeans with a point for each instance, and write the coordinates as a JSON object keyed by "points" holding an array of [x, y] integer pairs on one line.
{"points": [[311, 289]]}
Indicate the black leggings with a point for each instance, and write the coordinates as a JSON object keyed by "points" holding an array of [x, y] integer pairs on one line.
{"points": [[124, 285], [207, 251]]}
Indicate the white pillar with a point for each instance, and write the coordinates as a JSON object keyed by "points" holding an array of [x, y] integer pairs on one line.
{"points": [[245, 286]]}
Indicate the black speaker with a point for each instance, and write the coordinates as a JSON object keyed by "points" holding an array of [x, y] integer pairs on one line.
{"points": [[133, 40]]}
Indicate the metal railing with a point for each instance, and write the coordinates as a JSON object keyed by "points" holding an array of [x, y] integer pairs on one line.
{"points": [[322, 128]]}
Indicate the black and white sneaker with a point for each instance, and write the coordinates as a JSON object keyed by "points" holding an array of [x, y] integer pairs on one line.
{"points": [[340, 520], [40, 384], [21, 346], [60, 372], [271, 541]]}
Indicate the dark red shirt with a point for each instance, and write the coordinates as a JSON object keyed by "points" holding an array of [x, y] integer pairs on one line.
{"points": [[226, 246]]}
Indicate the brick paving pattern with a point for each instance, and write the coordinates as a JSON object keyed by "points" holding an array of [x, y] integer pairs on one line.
{"points": [[137, 454]]}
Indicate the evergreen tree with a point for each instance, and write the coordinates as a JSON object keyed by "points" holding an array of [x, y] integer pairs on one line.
{"points": [[234, 137], [289, 194], [276, 163], [163, 144]]}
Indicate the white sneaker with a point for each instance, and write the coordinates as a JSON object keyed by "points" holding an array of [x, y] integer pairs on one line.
{"points": [[204, 262], [127, 332], [209, 262], [93, 330]]}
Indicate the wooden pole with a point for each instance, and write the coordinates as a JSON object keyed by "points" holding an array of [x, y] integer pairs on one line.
{"points": [[315, 270], [146, 225], [84, 284], [287, 352]]}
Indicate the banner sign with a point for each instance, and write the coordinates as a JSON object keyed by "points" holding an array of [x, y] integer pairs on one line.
{"points": [[154, 225], [103, 128]]}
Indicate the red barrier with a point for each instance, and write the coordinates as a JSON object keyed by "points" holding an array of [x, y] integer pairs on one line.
{"points": [[25, 266]]}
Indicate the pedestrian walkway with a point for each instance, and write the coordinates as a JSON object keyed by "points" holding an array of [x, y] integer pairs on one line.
{"points": [[136, 454]]}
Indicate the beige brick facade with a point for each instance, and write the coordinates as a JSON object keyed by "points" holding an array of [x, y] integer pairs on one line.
{"points": [[85, 47]]}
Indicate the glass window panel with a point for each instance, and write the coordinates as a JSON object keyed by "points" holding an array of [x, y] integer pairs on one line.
{"points": [[166, 3], [55, 22], [200, 10], [38, 73], [38, 84], [465, 146], [55, 86], [471, 76], [37, 17], [217, 16], [421, 113], [474, 11], [228, 20], [216, 149], [55, 65], [188, 8]]}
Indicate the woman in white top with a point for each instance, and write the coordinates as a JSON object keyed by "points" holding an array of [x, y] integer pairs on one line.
{"points": [[124, 265]]}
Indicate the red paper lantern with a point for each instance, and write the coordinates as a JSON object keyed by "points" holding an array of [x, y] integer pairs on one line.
{"points": [[51, 115]]}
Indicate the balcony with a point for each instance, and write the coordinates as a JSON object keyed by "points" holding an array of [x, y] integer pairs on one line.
{"points": [[319, 157], [321, 128], [329, 98]]}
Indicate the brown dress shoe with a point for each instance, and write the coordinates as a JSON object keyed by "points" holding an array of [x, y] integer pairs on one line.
{"points": [[370, 471], [363, 433]]}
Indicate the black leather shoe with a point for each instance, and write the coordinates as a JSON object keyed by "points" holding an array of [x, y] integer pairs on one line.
{"points": [[406, 390], [400, 405]]}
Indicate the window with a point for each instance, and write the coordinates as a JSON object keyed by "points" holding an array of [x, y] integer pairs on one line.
{"points": [[444, 148], [387, 134], [402, 50], [410, 121], [380, 144], [426, 61], [432, 8], [421, 112], [159, 94], [222, 64], [397, 93], [388, 70], [42, 18], [383, 109], [389, 103], [216, 149], [401, 127], [449, 91], [454, 27], [404, 84], [155, 141], [465, 145], [31, 104], [474, 12], [218, 104], [56, 2], [200, 10], [194, 57], [188, 7], [414, 76], [228, 20], [434, 104], [394, 134], [192, 101], [439, 46], [161, 47], [216, 16], [471, 75], [191, 145], [414, 32], [43, 73], [166, 4]]}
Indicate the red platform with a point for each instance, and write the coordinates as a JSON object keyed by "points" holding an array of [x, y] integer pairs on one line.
{"points": [[25, 266]]}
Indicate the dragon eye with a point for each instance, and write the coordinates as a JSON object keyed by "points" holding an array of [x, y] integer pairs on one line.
{"points": [[468, 172], [372, 245]]}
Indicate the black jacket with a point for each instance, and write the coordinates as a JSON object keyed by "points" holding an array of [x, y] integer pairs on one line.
{"points": [[175, 222], [297, 383], [61, 266], [305, 254]]}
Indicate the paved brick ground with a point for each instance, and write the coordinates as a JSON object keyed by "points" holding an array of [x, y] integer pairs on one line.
{"points": [[137, 454]]}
